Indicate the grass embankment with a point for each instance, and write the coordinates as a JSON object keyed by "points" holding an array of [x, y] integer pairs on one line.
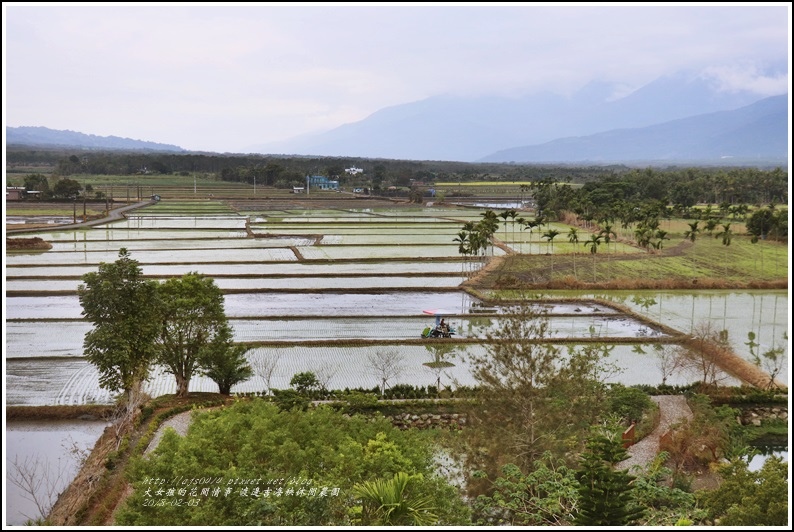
{"points": [[57, 412], [54, 209], [101, 483], [703, 264]]}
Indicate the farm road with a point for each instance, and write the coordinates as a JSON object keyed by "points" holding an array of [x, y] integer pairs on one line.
{"points": [[113, 215]]}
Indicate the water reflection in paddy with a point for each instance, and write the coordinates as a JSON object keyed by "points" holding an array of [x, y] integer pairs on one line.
{"points": [[69, 381], [50, 444], [259, 268]]}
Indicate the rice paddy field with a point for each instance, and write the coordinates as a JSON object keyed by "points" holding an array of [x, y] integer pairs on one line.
{"points": [[323, 286]]}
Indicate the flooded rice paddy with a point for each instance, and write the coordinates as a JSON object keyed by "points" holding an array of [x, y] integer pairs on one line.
{"points": [[54, 447], [331, 275], [356, 280]]}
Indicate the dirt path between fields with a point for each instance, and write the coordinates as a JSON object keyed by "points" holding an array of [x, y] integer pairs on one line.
{"points": [[113, 215]]}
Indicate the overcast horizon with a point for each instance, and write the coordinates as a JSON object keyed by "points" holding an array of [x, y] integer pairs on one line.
{"points": [[224, 77]]}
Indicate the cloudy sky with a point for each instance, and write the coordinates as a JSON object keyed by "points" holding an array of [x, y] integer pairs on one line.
{"points": [[223, 77]]}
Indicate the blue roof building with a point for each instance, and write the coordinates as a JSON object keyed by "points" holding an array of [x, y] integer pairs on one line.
{"points": [[323, 183]]}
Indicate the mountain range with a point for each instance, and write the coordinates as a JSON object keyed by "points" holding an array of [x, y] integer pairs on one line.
{"points": [[757, 132], [492, 128], [678, 118], [42, 136]]}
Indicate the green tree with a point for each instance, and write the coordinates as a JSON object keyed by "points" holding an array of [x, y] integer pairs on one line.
{"points": [[762, 223], [464, 245], [124, 310], [283, 469], [726, 235], [530, 226], [605, 494], [573, 238], [593, 243], [692, 232], [664, 505], [416, 194], [224, 362], [305, 383], [66, 188], [37, 182], [630, 404], [750, 498], [488, 226], [547, 496], [608, 233], [505, 215], [192, 319], [532, 398], [550, 235]]}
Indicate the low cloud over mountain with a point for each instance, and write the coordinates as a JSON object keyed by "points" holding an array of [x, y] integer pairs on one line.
{"points": [[757, 132], [471, 129]]}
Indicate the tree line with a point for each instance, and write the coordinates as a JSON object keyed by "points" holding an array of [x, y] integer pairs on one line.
{"points": [[605, 192]]}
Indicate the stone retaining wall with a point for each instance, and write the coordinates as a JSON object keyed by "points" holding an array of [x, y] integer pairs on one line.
{"points": [[750, 416], [428, 421], [756, 415]]}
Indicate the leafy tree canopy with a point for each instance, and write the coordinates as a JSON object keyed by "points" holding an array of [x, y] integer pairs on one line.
{"points": [[192, 319], [124, 309], [299, 469], [750, 498]]}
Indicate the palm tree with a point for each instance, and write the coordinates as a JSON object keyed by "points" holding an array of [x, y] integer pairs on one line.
{"points": [[530, 226], [463, 245], [512, 213], [386, 502], [573, 238], [593, 243], [550, 235], [488, 226], [661, 236], [608, 233], [478, 244], [754, 240], [643, 236], [505, 215], [726, 235], [691, 234], [521, 222]]}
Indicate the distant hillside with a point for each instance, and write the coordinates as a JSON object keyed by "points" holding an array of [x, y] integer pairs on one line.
{"points": [[42, 136], [754, 132], [448, 128]]}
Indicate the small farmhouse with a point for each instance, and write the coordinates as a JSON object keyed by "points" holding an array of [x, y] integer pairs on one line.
{"points": [[15, 193]]}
